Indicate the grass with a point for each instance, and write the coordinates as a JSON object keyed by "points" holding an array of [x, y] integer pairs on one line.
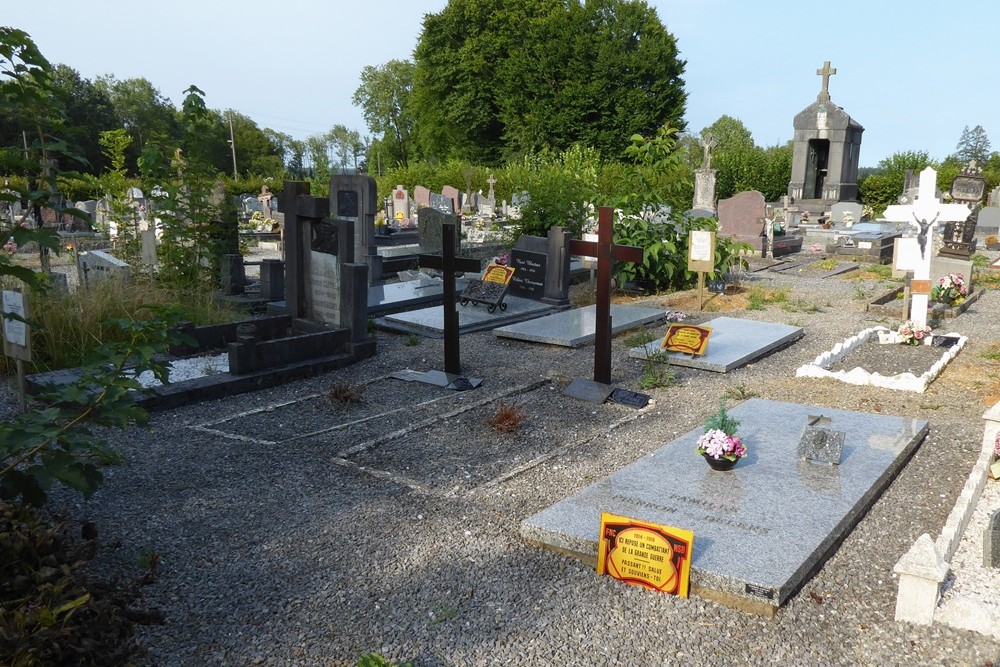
{"points": [[758, 297], [344, 393], [639, 338], [740, 392], [507, 418], [69, 327], [826, 264], [801, 306], [979, 260], [992, 352], [990, 280], [412, 340], [658, 373], [880, 270]]}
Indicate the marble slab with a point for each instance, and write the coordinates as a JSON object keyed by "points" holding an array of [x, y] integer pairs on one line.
{"points": [[403, 295], [760, 530], [430, 321], [733, 343], [577, 327]]}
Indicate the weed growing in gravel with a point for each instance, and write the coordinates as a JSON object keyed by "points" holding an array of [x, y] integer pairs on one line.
{"points": [[507, 418], [658, 373], [344, 393], [862, 291], [443, 613], [740, 392], [801, 306], [639, 338], [412, 340], [375, 660], [992, 353], [371, 326], [758, 297], [826, 264], [880, 270], [979, 260], [991, 280]]}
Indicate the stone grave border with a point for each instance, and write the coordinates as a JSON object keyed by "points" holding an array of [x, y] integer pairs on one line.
{"points": [[890, 306], [924, 567], [849, 267], [859, 376], [341, 457]]}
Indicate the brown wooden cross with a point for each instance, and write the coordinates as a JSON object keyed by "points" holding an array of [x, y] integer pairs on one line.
{"points": [[447, 263], [606, 252]]}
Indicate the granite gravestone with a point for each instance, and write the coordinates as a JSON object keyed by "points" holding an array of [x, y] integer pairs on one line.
{"points": [[838, 210], [704, 178], [441, 203], [429, 230], [542, 267], [741, 217], [401, 205], [98, 265], [453, 194], [421, 197], [352, 199], [989, 220]]}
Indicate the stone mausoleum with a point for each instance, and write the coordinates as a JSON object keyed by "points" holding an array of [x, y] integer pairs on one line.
{"points": [[826, 151]]}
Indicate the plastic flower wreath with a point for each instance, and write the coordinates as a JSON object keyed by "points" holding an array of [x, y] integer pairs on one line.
{"points": [[719, 440], [911, 334], [951, 289]]}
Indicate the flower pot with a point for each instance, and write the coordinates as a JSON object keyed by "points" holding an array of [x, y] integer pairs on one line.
{"points": [[719, 464]]}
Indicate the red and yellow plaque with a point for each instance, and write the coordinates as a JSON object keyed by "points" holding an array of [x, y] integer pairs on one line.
{"points": [[646, 554], [686, 338], [498, 273]]}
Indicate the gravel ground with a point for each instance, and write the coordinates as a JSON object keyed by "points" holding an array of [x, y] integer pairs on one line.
{"points": [[312, 546]]}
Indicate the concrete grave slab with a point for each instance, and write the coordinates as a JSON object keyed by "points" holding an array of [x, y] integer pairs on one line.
{"points": [[733, 343], [577, 327], [988, 221], [401, 296], [760, 530], [430, 321]]}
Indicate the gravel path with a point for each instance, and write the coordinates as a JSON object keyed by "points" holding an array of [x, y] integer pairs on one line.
{"points": [[285, 550]]}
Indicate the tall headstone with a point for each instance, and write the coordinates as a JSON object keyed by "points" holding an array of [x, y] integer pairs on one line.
{"points": [[542, 267], [441, 203], [430, 233], [968, 188], [924, 213], [453, 194], [401, 205], [826, 150], [421, 197], [839, 211], [704, 177], [353, 198], [265, 198], [742, 217], [994, 198]]}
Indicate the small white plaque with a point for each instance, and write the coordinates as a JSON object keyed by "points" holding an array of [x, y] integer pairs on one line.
{"points": [[864, 245], [701, 246], [907, 256], [14, 331]]}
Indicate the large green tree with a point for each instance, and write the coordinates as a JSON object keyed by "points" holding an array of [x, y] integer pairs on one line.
{"points": [[974, 144], [385, 100], [500, 78], [885, 185], [148, 116]]}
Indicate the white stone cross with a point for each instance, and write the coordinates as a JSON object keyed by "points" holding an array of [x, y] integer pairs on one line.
{"points": [[707, 142], [924, 213], [492, 181], [826, 73]]}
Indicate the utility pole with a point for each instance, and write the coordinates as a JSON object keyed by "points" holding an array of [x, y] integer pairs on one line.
{"points": [[232, 145]]}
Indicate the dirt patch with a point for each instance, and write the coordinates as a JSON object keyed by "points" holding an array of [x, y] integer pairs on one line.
{"points": [[889, 360]]}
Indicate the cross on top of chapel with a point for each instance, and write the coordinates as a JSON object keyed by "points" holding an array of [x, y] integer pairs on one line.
{"points": [[826, 72]]}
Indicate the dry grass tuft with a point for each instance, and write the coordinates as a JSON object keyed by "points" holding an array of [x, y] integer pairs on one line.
{"points": [[507, 418], [344, 393]]}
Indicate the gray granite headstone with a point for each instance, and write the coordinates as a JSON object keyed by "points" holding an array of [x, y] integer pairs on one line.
{"points": [[453, 194], [760, 529], [98, 264], [429, 222], [989, 220], [991, 541], [838, 210], [441, 203]]}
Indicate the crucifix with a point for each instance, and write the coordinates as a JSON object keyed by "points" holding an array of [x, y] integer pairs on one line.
{"points": [[826, 72], [924, 213], [447, 263], [606, 252], [492, 181], [707, 142]]}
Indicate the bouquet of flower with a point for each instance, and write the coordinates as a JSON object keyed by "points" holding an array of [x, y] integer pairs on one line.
{"points": [[950, 290], [719, 440], [912, 334]]}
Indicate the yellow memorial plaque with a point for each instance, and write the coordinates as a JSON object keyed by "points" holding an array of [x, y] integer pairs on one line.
{"points": [[686, 338], [646, 554], [498, 273]]}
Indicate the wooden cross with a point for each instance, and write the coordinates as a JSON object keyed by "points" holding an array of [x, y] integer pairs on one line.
{"points": [[826, 72], [924, 213], [449, 264], [707, 142], [606, 252]]}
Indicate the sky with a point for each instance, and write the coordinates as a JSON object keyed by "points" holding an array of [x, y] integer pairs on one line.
{"points": [[913, 73]]}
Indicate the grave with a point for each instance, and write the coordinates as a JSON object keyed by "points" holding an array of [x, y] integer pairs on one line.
{"points": [[430, 321], [429, 225], [756, 541], [732, 344], [991, 541], [704, 179], [96, 265], [542, 267], [741, 217], [421, 197], [577, 327], [401, 206], [866, 241], [441, 203], [989, 221], [352, 199], [838, 211], [452, 193]]}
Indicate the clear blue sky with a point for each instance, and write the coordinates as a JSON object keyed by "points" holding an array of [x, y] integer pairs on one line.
{"points": [[912, 73]]}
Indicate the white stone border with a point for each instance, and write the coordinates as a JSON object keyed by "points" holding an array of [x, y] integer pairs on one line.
{"points": [[859, 376], [922, 569]]}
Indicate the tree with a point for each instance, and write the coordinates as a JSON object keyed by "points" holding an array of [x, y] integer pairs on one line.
{"points": [[496, 79], [730, 134], [384, 97], [89, 112], [973, 145], [256, 151], [148, 117], [347, 144]]}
